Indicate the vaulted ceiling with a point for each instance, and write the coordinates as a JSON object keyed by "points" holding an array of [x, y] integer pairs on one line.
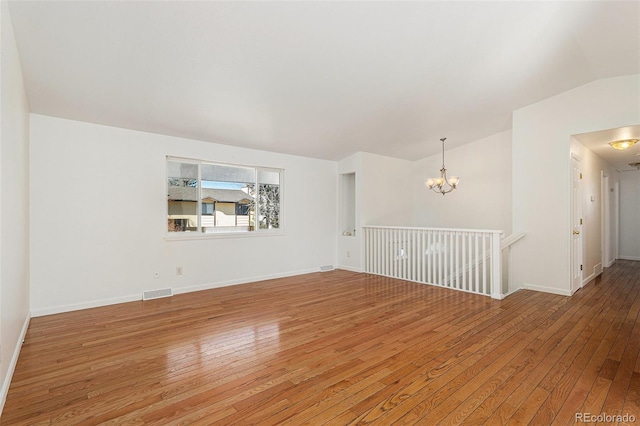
{"points": [[319, 79]]}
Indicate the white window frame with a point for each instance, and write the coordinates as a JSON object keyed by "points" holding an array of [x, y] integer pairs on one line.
{"points": [[198, 234]]}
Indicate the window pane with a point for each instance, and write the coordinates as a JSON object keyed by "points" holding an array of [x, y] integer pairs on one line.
{"points": [[182, 197], [269, 199], [207, 208], [230, 188], [230, 174]]}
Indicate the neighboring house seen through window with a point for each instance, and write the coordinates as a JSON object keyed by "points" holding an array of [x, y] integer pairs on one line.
{"points": [[208, 208], [204, 197]]}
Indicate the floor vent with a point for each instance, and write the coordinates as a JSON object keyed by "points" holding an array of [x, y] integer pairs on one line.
{"points": [[326, 268], [157, 294]]}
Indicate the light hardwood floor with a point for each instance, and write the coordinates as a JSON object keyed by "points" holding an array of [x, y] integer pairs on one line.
{"points": [[336, 348]]}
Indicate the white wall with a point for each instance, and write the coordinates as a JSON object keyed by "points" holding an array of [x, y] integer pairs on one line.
{"points": [[14, 203], [483, 197], [592, 204], [630, 215], [541, 185], [386, 190], [383, 197], [98, 203]]}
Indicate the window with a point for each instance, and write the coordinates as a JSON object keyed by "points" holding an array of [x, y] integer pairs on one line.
{"points": [[208, 198], [208, 208]]}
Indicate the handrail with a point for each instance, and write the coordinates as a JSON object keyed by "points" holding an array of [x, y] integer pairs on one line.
{"points": [[419, 228], [510, 240]]}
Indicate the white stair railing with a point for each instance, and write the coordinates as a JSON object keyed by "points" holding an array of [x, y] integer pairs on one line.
{"points": [[462, 259]]}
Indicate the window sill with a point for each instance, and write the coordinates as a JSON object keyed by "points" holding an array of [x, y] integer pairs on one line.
{"points": [[194, 236]]}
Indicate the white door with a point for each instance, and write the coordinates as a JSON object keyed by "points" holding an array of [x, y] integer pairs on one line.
{"points": [[576, 223], [616, 221], [606, 222]]}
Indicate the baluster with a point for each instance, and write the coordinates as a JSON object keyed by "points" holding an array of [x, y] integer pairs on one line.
{"points": [[367, 250], [457, 257], [400, 262], [477, 266], [379, 250], [405, 254], [463, 260], [371, 251], [450, 253], [485, 259], [428, 255], [395, 253], [392, 253], [394, 262], [385, 256], [423, 259], [440, 258], [443, 251], [420, 256], [470, 262], [400, 233], [414, 253], [376, 255]]}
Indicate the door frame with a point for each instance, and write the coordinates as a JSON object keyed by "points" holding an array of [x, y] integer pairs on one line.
{"points": [[576, 236], [605, 215]]}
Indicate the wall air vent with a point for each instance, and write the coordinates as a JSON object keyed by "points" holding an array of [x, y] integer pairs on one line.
{"points": [[326, 268], [157, 294]]}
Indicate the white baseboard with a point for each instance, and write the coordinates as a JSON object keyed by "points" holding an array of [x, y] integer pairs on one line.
{"points": [[551, 290], [629, 257], [349, 268], [12, 364], [509, 293], [209, 286], [85, 305], [588, 279], [176, 290]]}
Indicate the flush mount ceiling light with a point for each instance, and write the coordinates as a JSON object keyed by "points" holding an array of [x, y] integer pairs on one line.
{"points": [[623, 144], [442, 184]]}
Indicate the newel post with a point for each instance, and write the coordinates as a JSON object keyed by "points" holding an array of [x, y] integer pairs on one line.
{"points": [[496, 267]]}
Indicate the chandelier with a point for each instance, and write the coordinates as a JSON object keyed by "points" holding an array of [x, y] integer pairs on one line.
{"points": [[442, 184]]}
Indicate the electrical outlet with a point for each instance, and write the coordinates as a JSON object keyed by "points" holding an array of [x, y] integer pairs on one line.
{"points": [[178, 270], [156, 274], [348, 254]]}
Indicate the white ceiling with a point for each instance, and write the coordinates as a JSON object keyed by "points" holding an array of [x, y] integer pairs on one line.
{"points": [[598, 142], [319, 79]]}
